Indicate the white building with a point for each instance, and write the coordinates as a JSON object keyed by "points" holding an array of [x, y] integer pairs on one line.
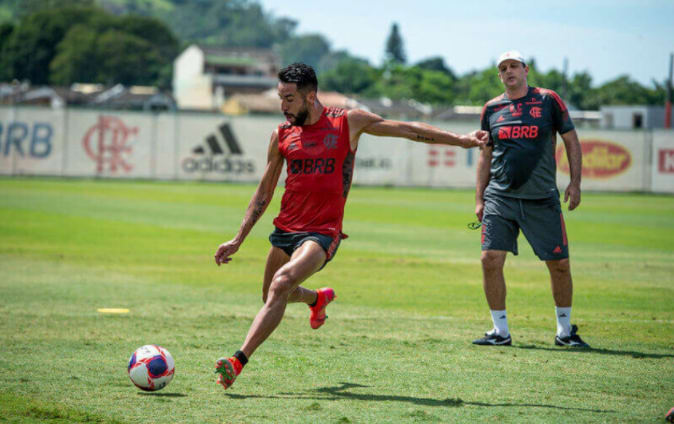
{"points": [[632, 117], [204, 77]]}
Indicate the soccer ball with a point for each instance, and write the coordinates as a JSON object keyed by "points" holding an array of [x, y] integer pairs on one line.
{"points": [[151, 368]]}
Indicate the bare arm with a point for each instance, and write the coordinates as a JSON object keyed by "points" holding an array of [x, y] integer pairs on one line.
{"points": [[575, 156], [361, 121], [483, 175], [258, 204]]}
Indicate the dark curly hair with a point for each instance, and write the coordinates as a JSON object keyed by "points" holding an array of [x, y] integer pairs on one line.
{"points": [[301, 74]]}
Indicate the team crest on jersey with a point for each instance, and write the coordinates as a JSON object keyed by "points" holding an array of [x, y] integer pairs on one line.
{"points": [[330, 141]]}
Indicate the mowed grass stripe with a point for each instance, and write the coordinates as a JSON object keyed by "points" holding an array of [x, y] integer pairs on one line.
{"points": [[396, 347]]}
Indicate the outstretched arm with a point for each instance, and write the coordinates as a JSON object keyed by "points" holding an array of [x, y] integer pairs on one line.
{"points": [[361, 121], [258, 204], [575, 156]]}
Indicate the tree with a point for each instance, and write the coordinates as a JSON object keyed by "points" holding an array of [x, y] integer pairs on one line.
{"points": [[62, 46], [395, 51], [228, 23], [6, 30], [436, 63], [76, 53], [351, 76], [307, 49], [127, 59], [332, 59], [32, 44], [477, 87], [435, 87]]}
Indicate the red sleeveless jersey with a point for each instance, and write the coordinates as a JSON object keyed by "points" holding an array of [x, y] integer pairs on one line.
{"points": [[320, 167]]}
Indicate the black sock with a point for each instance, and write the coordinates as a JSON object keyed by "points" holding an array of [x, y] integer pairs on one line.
{"points": [[241, 357]]}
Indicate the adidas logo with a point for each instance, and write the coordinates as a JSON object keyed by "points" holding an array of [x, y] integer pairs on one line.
{"points": [[557, 250], [213, 158], [563, 316], [213, 144]]}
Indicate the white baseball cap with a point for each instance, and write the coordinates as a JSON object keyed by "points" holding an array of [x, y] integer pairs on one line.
{"points": [[510, 55]]}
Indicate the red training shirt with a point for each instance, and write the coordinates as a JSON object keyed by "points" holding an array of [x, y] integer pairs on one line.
{"points": [[320, 168]]}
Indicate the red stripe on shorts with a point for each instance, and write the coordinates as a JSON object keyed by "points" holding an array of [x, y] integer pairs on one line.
{"points": [[561, 217]]}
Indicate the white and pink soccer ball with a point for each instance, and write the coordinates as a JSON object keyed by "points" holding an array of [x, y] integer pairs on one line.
{"points": [[151, 368]]}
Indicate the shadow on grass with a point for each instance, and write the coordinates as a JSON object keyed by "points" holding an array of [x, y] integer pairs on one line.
{"points": [[173, 395], [340, 392], [631, 353]]}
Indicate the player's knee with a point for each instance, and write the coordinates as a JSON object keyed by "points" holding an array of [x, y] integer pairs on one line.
{"points": [[561, 266], [492, 260], [281, 285]]}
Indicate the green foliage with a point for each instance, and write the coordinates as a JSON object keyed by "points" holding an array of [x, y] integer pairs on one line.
{"points": [[6, 30], [36, 44], [228, 23], [86, 44], [436, 63], [475, 88], [351, 77], [308, 48], [395, 49]]}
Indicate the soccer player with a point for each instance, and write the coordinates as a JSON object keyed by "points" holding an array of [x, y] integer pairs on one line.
{"points": [[517, 189], [319, 145]]}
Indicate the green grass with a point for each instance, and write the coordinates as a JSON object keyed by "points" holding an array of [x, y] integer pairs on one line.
{"points": [[396, 347]]}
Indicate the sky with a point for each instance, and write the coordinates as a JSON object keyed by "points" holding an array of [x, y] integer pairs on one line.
{"points": [[605, 38]]}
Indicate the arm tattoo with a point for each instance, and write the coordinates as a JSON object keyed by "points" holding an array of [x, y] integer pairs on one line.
{"points": [[257, 211], [424, 138]]}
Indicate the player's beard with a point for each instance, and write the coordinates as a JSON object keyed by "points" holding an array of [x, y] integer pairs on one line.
{"points": [[301, 116]]}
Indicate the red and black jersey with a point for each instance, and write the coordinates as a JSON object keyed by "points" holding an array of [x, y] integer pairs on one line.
{"points": [[524, 135], [320, 168]]}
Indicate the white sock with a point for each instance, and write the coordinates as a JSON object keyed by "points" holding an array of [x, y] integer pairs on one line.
{"points": [[563, 321], [500, 322]]}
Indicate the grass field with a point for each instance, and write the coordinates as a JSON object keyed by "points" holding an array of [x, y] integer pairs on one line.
{"points": [[396, 347]]}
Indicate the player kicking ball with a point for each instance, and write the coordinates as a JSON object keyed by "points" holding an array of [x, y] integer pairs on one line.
{"points": [[319, 146]]}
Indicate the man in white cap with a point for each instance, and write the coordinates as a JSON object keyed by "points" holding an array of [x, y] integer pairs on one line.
{"points": [[517, 189]]}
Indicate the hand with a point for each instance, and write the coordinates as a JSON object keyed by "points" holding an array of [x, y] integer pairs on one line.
{"points": [[225, 250], [572, 192], [479, 209], [478, 138]]}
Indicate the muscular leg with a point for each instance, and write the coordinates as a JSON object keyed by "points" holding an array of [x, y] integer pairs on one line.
{"points": [[492, 278], [275, 260], [560, 281], [304, 262]]}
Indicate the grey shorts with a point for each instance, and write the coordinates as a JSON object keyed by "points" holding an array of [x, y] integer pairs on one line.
{"points": [[541, 221]]}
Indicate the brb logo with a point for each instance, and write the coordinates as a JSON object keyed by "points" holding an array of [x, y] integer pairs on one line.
{"points": [[212, 158], [106, 143], [26, 139], [518, 131]]}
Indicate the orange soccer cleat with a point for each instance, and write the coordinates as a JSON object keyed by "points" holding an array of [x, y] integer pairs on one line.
{"points": [[227, 370], [324, 296]]}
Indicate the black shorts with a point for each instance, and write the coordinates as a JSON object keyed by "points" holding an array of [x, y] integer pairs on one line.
{"points": [[541, 221], [289, 242]]}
